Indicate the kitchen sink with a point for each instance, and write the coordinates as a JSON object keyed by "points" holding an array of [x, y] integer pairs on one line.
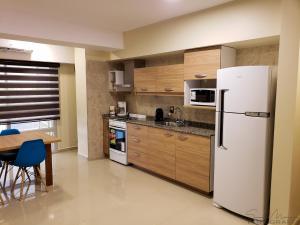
{"points": [[173, 124]]}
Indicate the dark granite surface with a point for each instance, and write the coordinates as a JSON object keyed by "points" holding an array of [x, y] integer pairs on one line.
{"points": [[190, 127]]}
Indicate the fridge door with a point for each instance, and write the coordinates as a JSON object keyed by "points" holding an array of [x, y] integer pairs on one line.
{"points": [[247, 89], [241, 176]]}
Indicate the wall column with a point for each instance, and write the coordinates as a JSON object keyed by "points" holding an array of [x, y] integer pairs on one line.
{"points": [[284, 198], [81, 101], [93, 100]]}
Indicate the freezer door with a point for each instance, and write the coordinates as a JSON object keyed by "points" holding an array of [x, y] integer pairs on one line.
{"points": [[241, 175], [247, 89]]}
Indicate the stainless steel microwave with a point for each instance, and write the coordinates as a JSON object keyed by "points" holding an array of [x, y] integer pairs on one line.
{"points": [[203, 96]]}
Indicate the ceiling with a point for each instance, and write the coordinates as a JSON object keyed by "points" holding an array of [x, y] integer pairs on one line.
{"points": [[112, 15]]}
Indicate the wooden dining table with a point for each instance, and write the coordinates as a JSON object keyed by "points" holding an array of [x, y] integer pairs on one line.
{"points": [[13, 142]]}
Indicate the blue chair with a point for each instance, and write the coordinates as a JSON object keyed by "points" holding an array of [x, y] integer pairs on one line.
{"points": [[1, 200], [7, 157], [31, 154]]}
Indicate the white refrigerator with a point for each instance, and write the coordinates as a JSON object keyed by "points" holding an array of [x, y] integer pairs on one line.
{"points": [[244, 136]]}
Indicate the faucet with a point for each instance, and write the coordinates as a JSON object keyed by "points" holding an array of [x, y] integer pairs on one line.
{"points": [[179, 119]]}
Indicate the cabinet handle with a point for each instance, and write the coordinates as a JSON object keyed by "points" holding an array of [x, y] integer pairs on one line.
{"points": [[169, 89], [182, 138], [200, 75], [137, 127], [169, 135], [144, 89], [136, 140]]}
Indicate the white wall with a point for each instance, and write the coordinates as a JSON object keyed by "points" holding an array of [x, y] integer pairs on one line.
{"points": [[295, 179], [81, 101], [286, 137], [23, 26], [233, 22], [67, 125]]}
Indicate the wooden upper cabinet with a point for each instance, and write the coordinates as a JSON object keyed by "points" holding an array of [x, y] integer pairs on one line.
{"points": [[159, 79], [202, 64], [170, 79], [145, 79], [193, 161]]}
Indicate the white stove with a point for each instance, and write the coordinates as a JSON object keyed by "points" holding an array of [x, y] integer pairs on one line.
{"points": [[118, 141]]}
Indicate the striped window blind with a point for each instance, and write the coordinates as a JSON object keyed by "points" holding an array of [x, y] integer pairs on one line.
{"points": [[29, 91]]}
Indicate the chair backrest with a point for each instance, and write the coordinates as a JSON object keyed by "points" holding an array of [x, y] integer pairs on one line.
{"points": [[31, 153], [9, 132]]}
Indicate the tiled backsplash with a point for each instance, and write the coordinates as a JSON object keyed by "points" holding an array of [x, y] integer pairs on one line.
{"points": [[144, 104], [264, 55]]}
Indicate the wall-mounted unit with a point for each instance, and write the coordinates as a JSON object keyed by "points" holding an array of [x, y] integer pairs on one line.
{"points": [[117, 82], [121, 75], [15, 50]]}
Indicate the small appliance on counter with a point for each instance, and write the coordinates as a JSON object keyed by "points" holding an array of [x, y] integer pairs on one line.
{"points": [[134, 116], [159, 115], [122, 111], [112, 111]]}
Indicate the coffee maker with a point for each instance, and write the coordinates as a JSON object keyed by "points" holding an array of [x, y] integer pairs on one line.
{"points": [[122, 109], [159, 115]]}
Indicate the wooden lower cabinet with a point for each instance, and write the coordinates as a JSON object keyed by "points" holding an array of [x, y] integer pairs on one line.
{"points": [[105, 137], [193, 161], [152, 149], [161, 151], [182, 157]]}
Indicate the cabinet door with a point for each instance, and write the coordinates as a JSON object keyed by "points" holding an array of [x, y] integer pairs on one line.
{"points": [[137, 145], [145, 79], [170, 79], [193, 161], [202, 64], [161, 151], [105, 137]]}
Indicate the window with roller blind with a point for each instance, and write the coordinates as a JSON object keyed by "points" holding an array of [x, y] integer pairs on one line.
{"points": [[29, 96], [29, 92]]}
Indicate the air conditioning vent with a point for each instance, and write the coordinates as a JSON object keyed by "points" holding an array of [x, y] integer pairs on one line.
{"points": [[17, 50]]}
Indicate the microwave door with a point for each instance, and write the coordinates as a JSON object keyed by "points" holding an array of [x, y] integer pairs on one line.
{"points": [[202, 97], [206, 96]]}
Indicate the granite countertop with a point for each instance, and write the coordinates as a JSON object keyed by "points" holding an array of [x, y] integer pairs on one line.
{"points": [[190, 127], [201, 129]]}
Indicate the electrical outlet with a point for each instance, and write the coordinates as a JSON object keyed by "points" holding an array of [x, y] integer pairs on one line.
{"points": [[172, 109]]}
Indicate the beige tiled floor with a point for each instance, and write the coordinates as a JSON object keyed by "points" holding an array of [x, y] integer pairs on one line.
{"points": [[106, 193]]}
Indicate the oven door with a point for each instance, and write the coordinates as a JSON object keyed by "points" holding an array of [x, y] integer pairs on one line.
{"points": [[117, 139]]}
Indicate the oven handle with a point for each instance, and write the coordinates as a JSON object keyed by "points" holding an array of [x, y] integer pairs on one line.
{"points": [[117, 128]]}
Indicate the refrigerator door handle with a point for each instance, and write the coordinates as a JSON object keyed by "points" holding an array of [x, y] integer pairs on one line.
{"points": [[258, 114], [221, 119]]}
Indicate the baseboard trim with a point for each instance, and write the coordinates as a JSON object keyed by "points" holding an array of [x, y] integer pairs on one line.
{"points": [[83, 155], [65, 149]]}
